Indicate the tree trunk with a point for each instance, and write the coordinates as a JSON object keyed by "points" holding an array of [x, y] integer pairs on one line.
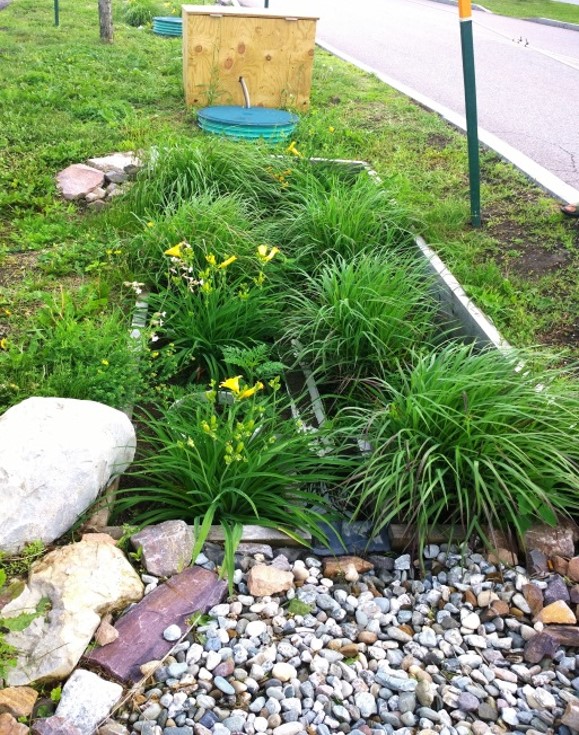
{"points": [[106, 20]]}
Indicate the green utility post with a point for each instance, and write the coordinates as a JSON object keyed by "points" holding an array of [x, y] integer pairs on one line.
{"points": [[465, 15], [56, 13]]}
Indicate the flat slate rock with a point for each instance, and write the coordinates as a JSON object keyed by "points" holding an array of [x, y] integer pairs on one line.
{"points": [[141, 628]]}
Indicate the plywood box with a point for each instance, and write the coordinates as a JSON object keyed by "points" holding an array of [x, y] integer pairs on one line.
{"points": [[273, 53]]}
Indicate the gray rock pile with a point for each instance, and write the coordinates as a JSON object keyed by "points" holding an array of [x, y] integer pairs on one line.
{"points": [[102, 179]]}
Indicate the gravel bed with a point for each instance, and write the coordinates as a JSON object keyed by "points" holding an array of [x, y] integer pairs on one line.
{"points": [[394, 651]]}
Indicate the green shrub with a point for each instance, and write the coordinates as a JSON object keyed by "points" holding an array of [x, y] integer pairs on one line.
{"points": [[233, 457], [470, 439], [141, 12], [356, 317]]}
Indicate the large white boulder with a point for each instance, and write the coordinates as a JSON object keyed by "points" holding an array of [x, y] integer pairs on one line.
{"points": [[56, 456], [77, 585]]}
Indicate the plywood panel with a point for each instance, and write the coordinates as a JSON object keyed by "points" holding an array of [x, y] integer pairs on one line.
{"points": [[273, 54]]}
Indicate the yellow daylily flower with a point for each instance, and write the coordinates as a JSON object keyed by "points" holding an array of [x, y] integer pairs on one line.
{"points": [[231, 384], [265, 254], [3, 343], [248, 392], [176, 251], [211, 259], [227, 262], [293, 150]]}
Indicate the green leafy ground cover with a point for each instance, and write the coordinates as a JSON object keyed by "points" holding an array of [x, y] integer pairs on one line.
{"points": [[65, 97]]}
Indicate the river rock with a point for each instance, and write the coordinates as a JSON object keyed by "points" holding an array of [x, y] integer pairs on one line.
{"points": [[10, 726], [87, 700], [537, 563], [559, 540], [82, 581], [557, 612], [556, 590], [340, 566], [56, 456], [18, 701], [105, 633], [78, 180], [534, 598], [571, 714], [573, 569], [166, 547], [540, 646], [264, 580], [565, 635]]}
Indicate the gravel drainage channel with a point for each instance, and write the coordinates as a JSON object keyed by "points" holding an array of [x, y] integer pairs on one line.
{"points": [[365, 647]]}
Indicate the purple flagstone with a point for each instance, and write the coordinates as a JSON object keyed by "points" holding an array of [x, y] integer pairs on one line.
{"points": [[141, 629]]}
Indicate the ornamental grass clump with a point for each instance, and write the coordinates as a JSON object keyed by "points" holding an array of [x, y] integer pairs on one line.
{"points": [[233, 455], [219, 167], [477, 440], [358, 316], [335, 215], [211, 307]]}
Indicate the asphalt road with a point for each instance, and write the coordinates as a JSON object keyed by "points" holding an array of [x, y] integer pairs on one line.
{"points": [[527, 73]]}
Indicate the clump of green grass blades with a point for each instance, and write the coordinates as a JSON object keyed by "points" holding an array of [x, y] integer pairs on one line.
{"points": [[331, 214], [355, 317], [174, 174], [473, 439], [234, 461]]}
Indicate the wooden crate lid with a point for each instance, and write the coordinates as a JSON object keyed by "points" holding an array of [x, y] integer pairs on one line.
{"points": [[218, 10]]}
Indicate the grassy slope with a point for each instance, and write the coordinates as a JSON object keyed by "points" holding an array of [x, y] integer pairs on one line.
{"points": [[534, 9], [65, 97]]}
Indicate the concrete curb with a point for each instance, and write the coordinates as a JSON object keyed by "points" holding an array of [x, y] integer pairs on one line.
{"points": [[545, 179], [556, 23]]}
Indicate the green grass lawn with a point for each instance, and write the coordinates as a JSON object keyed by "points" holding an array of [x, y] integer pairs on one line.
{"points": [[534, 9], [65, 96]]}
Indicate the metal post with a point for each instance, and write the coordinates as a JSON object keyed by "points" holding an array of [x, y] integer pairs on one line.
{"points": [[266, 4], [56, 13], [466, 39]]}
